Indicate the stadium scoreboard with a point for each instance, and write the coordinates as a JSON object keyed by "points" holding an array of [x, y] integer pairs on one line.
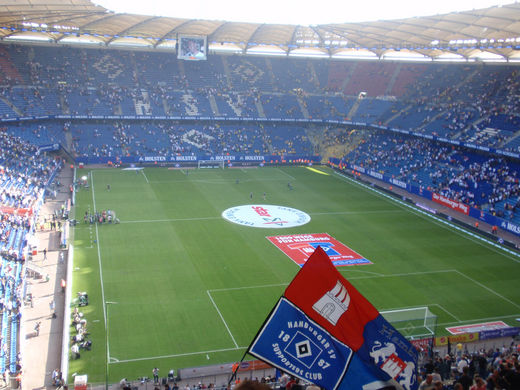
{"points": [[192, 48]]}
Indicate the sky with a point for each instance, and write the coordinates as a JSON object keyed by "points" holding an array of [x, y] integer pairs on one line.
{"points": [[298, 12]]}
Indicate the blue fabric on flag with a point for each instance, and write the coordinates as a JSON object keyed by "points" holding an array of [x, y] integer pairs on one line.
{"points": [[386, 348], [292, 342], [297, 345]]}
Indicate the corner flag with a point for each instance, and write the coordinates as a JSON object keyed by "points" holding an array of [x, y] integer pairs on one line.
{"points": [[324, 331]]}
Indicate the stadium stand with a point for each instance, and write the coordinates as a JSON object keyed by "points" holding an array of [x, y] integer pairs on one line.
{"points": [[112, 104], [24, 177], [468, 103], [459, 104]]}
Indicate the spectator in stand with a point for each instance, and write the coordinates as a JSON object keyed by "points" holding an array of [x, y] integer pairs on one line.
{"points": [[427, 383], [465, 379]]}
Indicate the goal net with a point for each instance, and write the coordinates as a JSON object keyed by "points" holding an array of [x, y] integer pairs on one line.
{"points": [[210, 164], [413, 323]]}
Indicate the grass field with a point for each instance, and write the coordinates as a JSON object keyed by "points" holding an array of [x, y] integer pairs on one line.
{"points": [[190, 288]]}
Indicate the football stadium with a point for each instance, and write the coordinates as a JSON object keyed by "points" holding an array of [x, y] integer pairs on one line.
{"points": [[196, 204]]}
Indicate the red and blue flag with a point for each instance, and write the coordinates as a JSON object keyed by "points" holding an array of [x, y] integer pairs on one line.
{"points": [[324, 331]]}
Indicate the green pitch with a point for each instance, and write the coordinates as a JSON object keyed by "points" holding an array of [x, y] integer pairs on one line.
{"points": [[189, 288]]}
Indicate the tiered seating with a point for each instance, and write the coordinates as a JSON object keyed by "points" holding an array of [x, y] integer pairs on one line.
{"points": [[9, 74], [505, 122], [39, 133], [204, 75], [481, 181], [451, 122], [291, 74], [13, 347], [290, 140], [94, 139], [6, 111], [201, 100], [64, 80], [248, 73], [411, 119], [338, 72], [89, 101], [512, 145], [407, 76], [370, 110], [437, 80], [3, 343], [23, 176], [30, 101], [321, 70], [155, 69], [486, 136], [277, 106], [236, 105], [332, 107], [372, 78], [248, 140]]}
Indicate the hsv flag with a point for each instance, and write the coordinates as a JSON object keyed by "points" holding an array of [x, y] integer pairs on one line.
{"points": [[324, 331]]}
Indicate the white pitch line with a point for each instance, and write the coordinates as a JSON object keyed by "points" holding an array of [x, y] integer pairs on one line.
{"points": [[471, 236], [487, 288], [359, 212], [146, 178], [376, 275], [172, 220], [286, 174], [365, 272], [222, 318], [442, 308], [176, 355], [219, 217], [402, 274], [99, 260], [216, 181], [248, 287]]}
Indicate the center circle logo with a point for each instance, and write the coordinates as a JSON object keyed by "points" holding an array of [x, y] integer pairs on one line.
{"points": [[266, 216]]}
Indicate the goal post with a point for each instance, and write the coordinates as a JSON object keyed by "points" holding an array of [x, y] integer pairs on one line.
{"points": [[413, 323], [201, 164]]}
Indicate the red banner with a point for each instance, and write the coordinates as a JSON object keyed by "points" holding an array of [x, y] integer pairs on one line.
{"points": [[300, 246], [452, 204], [422, 344], [253, 365], [14, 210]]}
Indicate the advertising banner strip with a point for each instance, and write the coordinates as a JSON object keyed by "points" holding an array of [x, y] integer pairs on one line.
{"points": [[455, 330]]}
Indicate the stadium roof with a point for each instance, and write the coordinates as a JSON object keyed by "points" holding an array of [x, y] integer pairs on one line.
{"points": [[491, 33]]}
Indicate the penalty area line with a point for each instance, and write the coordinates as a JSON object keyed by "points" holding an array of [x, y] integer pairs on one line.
{"points": [[176, 355], [286, 174], [222, 318], [487, 288], [145, 177], [446, 311]]}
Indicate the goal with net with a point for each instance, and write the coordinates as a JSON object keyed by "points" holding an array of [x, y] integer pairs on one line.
{"points": [[210, 164], [413, 323]]}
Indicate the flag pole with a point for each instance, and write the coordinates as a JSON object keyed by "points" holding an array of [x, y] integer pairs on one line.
{"points": [[234, 374]]}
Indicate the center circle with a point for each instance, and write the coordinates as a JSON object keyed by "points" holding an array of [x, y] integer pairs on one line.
{"points": [[266, 216]]}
